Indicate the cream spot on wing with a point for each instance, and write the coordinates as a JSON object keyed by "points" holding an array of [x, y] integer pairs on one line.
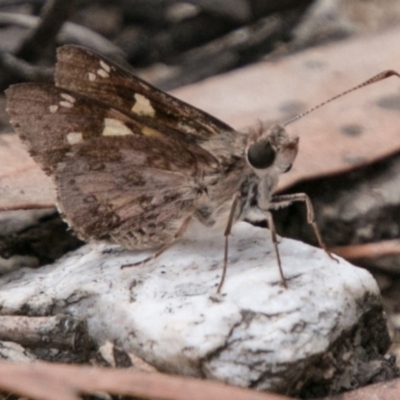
{"points": [[105, 66], [113, 127], [68, 97], [53, 108], [143, 106], [102, 73], [186, 128], [150, 132], [74, 138], [91, 76], [66, 104]]}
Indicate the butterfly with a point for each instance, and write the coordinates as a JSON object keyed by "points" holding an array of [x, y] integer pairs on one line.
{"points": [[134, 166]]}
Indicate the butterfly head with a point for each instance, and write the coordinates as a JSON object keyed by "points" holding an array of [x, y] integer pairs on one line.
{"points": [[271, 148]]}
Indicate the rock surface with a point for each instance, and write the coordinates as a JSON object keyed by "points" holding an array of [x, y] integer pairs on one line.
{"points": [[256, 334]]}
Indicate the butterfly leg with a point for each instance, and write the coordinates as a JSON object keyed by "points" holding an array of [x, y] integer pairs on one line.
{"points": [[227, 232], [274, 240], [177, 236], [286, 200]]}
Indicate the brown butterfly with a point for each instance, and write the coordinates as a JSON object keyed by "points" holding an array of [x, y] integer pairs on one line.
{"points": [[134, 165]]}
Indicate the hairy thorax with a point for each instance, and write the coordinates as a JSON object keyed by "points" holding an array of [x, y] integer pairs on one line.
{"points": [[223, 182]]}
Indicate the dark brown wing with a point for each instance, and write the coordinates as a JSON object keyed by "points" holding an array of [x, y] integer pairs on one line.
{"points": [[115, 189], [83, 71], [51, 120]]}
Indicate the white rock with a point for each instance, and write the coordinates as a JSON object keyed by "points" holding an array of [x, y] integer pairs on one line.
{"points": [[168, 313], [14, 352]]}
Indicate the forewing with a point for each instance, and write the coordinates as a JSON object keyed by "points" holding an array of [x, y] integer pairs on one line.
{"points": [[51, 120], [115, 190], [83, 71]]}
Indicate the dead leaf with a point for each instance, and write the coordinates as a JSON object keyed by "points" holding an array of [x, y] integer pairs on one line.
{"points": [[355, 130], [23, 184], [47, 381], [375, 250]]}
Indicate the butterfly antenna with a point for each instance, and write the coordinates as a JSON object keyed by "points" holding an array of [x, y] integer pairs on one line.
{"points": [[383, 75]]}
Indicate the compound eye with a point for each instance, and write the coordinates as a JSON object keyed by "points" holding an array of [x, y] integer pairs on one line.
{"points": [[261, 155]]}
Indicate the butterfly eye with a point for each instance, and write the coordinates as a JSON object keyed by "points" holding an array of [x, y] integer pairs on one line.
{"points": [[261, 155]]}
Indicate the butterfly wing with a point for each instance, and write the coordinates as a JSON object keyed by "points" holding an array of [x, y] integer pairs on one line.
{"points": [[83, 71], [113, 181], [50, 120], [113, 190]]}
